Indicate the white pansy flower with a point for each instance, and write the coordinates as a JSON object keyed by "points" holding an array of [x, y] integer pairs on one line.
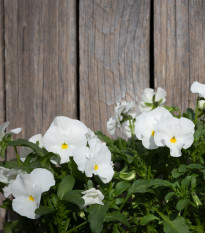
{"points": [[199, 88], [112, 124], [27, 190], [8, 176], [90, 135], [121, 108], [25, 151], [63, 136], [174, 133], [145, 126], [146, 103], [92, 196], [201, 104], [95, 160], [3, 128]]}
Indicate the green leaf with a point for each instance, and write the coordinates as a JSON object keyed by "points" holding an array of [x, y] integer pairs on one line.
{"points": [[139, 186], [115, 229], [181, 204], [159, 182], [45, 160], [96, 217], [8, 227], [65, 186], [175, 173], [43, 210], [190, 114], [195, 166], [149, 104], [74, 196], [169, 196], [182, 168], [116, 216], [147, 219], [26, 143], [121, 187], [177, 225], [186, 182], [198, 133]]}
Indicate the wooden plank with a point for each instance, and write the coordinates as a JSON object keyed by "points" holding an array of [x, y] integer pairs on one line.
{"points": [[40, 63], [179, 48], [2, 107], [114, 56], [2, 112], [197, 43]]}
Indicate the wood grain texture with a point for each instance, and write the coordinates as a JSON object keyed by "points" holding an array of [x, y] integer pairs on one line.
{"points": [[179, 48], [197, 43], [40, 63], [114, 56], [2, 106], [2, 112]]}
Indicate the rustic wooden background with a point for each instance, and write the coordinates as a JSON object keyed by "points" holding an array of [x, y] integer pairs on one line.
{"points": [[79, 57]]}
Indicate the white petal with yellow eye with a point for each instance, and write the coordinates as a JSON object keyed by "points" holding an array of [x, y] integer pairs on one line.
{"points": [[27, 190], [25, 207], [95, 160], [174, 133], [145, 126], [64, 135]]}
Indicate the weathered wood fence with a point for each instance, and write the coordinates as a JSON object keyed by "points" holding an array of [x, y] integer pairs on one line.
{"points": [[79, 57]]}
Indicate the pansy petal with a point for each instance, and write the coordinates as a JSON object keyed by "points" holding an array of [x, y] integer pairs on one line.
{"points": [[43, 177], [175, 151], [199, 88], [105, 172], [160, 94], [7, 190], [25, 207], [22, 185], [15, 131], [80, 156]]}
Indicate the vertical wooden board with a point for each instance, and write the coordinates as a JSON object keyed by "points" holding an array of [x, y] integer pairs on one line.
{"points": [[178, 37], [2, 112], [114, 56], [197, 43], [40, 48], [2, 106]]}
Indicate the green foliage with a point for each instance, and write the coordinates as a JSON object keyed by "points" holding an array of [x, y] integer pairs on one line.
{"points": [[65, 186], [149, 192]]}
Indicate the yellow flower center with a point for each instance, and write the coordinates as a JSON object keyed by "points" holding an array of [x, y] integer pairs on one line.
{"points": [[31, 198], [153, 132], [64, 146], [96, 167], [173, 140]]}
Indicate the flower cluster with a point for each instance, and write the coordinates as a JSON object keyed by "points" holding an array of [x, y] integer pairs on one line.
{"points": [[70, 179], [67, 138]]}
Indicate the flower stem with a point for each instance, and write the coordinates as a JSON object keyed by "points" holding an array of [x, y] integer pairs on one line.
{"points": [[17, 156], [196, 114], [126, 199], [77, 227]]}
